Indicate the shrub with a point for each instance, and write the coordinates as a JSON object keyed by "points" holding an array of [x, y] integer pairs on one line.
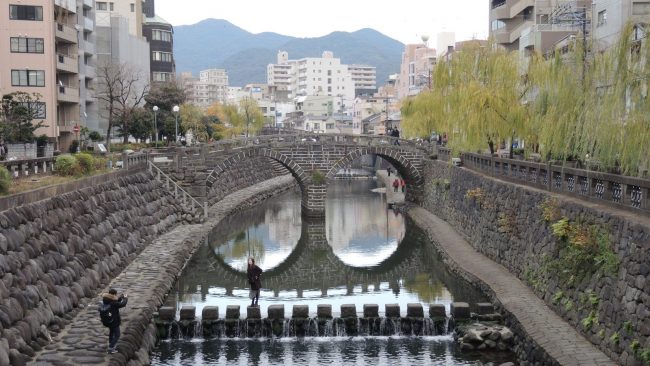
{"points": [[99, 163], [318, 177], [5, 180], [95, 136], [86, 163], [66, 165], [41, 140]]}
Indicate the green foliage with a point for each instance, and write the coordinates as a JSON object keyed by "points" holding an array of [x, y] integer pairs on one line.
{"points": [[550, 210], [94, 136], [66, 165], [601, 333], [86, 163], [568, 305], [317, 177], [615, 338], [635, 346], [192, 119], [18, 116], [477, 194], [557, 297], [627, 326], [561, 228], [140, 125], [590, 320], [246, 118], [564, 108], [645, 356], [42, 140], [5, 179], [442, 183]]}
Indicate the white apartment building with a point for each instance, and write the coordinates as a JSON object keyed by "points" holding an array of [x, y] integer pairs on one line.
{"points": [[609, 19], [129, 9], [312, 76], [210, 87], [364, 77]]}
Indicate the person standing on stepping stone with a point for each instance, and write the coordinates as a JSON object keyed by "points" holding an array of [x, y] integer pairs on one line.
{"points": [[109, 312], [254, 272]]}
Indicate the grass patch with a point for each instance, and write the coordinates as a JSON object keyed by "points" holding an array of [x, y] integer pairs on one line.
{"points": [[39, 181]]}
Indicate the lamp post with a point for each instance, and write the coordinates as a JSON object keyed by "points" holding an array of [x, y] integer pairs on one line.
{"points": [[155, 122], [176, 109]]}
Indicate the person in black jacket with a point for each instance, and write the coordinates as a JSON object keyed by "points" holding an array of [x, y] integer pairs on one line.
{"points": [[254, 272], [112, 320]]}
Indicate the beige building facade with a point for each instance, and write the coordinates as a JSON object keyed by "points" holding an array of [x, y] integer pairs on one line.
{"points": [[47, 47], [418, 61]]}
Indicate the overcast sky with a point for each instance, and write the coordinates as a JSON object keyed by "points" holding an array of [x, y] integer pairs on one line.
{"points": [[404, 20]]}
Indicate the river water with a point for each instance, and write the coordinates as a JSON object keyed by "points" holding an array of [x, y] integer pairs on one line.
{"points": [[362, 253]]}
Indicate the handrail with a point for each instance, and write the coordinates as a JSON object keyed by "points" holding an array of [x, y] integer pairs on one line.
{"points": [[160, 174], [624, 191]]}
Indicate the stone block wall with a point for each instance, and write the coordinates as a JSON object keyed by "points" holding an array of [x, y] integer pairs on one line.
{"points": [[505, 222], [55, 254]]}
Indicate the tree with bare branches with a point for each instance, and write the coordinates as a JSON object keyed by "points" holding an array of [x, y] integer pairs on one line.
{"points": [[122, 89]]}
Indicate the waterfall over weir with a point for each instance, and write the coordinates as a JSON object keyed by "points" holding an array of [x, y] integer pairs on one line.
{"points": [[307, 327]]}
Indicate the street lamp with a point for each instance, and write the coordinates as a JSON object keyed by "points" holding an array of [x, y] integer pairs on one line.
{"points": [[175, 110], [155, 122]]}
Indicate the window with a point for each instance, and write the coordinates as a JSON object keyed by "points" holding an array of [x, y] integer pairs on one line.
{"points": [[162, 56], [27, 45], [101, 5], [27, 78], [162, 76], [641, 8], [25, 12], [37, 109], [498, 24], [111, 6], [329, 126], [602, 18], [132, 8], [162, 35]]}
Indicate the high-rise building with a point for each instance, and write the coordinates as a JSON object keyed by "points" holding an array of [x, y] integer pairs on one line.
{"points": [[537, 25], [47, 47], [119, 42], [364, 78], [160, 35], [312, 76], [418, 61]]}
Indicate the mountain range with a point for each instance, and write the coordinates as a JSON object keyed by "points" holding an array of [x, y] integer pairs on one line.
{"points": [[217, 43]]}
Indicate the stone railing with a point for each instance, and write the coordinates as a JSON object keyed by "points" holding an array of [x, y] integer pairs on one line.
{"points": [[617, 190], [135, 160], [179, 193], [26, 167]]}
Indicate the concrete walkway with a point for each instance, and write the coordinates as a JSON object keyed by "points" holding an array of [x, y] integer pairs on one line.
{"points": [[147, 281], [559, 339], [391, 196]]}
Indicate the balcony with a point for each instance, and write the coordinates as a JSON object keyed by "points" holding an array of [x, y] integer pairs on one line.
{"points": [[89, 48], [88, 3], [89, 24], [68, 95], [67, 64], [90, 72], [65, 33], [509, 9], [70, 5]]}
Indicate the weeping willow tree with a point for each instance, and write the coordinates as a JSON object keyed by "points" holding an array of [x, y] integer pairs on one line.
{"points": [[595, 111], [476, 99]]}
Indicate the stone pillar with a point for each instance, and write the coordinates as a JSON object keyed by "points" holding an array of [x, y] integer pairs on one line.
{"points": [[313, 200]]}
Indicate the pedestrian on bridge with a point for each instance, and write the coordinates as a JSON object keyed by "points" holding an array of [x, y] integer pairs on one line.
{"points": [[395, 185], [254, 273], [402, 183]]}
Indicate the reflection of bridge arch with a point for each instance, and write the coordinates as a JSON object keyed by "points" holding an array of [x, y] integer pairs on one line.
{"points": [[314, 265], [308, 157]]}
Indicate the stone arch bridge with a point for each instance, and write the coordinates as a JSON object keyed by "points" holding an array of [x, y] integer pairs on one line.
{"points": [[311, 158]]}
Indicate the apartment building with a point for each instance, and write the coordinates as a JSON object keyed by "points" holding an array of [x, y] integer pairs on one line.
{"points": [[210, 87], [610, 17], [418, 61], [537, 25], [364, 78], [310, 76], [132, 10], [160, 35], [47, 48]]}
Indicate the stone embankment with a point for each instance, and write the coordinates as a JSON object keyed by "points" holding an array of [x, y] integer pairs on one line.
{"points": [[513, 226], [146, 280], [56, 253]]}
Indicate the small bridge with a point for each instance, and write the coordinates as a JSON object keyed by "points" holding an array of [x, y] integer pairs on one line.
{"points": [[312, 159]]}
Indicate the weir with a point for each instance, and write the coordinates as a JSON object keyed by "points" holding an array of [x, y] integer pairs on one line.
{"points": [[188, 324]]}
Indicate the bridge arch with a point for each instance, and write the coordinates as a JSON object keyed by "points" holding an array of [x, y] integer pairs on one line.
{"points": [[397, 157]]}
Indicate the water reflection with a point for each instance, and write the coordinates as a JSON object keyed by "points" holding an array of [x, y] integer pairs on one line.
{"points": [[322, 351], [388, 261]]}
